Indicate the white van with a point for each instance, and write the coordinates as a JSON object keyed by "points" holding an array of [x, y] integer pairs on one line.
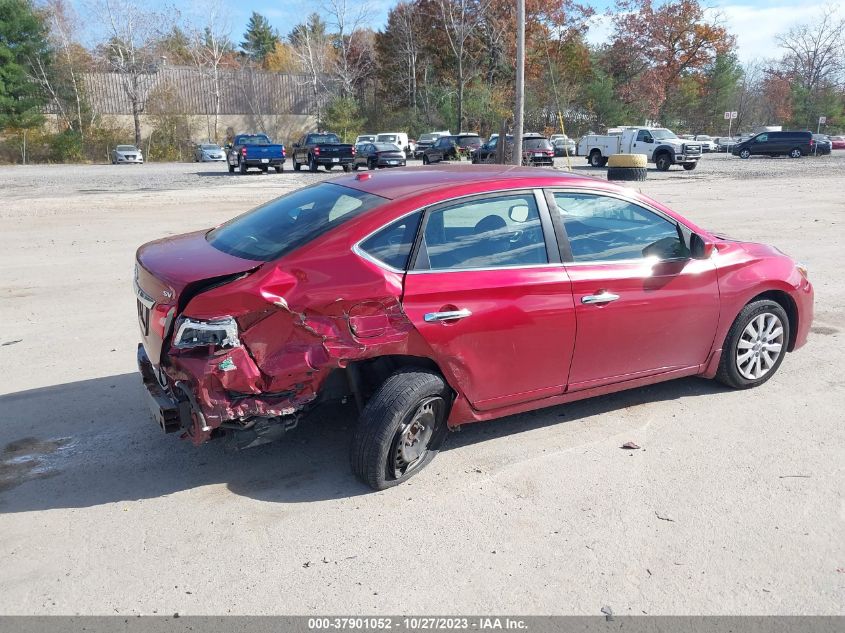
{"points": [[397, 138]]}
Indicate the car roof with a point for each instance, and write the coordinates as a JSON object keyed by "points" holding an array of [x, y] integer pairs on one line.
{"points": [[401, 183]]}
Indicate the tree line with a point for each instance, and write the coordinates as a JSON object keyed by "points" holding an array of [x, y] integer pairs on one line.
{"points": [[434, 65]]}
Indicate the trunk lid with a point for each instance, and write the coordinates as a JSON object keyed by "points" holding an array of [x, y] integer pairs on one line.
{"points": [[171, 270]]}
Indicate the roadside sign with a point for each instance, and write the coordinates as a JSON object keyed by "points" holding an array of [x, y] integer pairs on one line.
{"points": [[727, 115], [734, 114], [822, 120]]}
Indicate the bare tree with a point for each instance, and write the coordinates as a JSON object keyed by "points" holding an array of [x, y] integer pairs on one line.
{"points": [[312, 49], [130, 29], [210, 46], [354, 58], [64, 85], [460, 20], [815, 52]]}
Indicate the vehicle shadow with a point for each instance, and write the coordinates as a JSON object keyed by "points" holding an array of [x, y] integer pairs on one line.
{"points": [[92, 442]]}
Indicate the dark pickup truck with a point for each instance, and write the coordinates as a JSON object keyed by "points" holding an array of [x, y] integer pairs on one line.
{"points": [[255, 150], [322, 148]]}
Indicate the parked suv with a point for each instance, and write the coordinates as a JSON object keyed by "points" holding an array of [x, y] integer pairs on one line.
{"points": [[451, 148], [432, 298], [792, 144]]}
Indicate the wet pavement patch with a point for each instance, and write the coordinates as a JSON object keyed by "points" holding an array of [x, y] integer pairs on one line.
{"points": [[821, 329], [29, 458]]}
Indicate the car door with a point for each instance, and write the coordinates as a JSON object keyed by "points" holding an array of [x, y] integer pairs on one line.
{"points": [[487, 292], [642, 305], [760, 145], [643, 144]]}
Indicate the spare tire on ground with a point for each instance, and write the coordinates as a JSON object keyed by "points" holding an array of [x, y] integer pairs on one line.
{"points": [[626, 173], [627, 160]]}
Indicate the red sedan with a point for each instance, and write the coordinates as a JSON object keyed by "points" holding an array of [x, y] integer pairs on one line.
{"points": [[837, 142], [436, 297]]}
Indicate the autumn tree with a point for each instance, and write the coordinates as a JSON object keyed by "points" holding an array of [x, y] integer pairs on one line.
{"points": [[312, 47], [399, 49], [660, 44]]}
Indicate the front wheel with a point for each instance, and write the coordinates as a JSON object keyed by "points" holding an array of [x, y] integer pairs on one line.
{"points": [[795, 153], [401, 429], [425, 160], [745, 154], [690, 166], [663, 162], [755, 345]]}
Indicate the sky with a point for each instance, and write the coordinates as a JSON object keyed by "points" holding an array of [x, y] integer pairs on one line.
{"points": [[754, 22]]}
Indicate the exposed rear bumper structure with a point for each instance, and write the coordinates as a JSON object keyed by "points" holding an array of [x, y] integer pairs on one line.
{"points": [[170, 414]]}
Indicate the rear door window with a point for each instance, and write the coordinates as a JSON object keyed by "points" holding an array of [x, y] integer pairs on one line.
{"points": [[489, 232]]}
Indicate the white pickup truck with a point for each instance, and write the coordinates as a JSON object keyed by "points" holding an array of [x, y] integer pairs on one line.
{"points": [[660, 146]]}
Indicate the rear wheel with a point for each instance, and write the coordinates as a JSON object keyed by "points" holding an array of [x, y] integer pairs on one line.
{"points": [[296, 165], [595, 158], [354, 166], [795, 153], [371, 164], [425, 160], [690, 166], [242, 166], [312, 164], [755, 345], [264, 169], [401, 428], [279, 168], [231, 169]]}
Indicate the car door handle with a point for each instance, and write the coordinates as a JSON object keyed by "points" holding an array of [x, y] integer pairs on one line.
{"points": [[602, 297], [450, 315]]}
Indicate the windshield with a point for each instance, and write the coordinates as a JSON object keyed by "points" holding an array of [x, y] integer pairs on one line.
{"points": [[323, 139], [662, 133], [387, 138], [211, 147], [283, 224], [126, 148], [702, 137], [536, 143], [428, 137], [469, 141], [253, 140], [388, 147]]}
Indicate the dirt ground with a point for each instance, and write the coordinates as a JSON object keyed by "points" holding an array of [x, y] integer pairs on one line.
{"points": [[734, 505]]}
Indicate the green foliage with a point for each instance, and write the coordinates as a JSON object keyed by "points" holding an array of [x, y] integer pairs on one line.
{"points": [[66, 147], [343, 117], [260, 38], [23, 41]]}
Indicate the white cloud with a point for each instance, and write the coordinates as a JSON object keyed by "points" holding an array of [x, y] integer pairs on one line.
{"points": [[755, 27]]}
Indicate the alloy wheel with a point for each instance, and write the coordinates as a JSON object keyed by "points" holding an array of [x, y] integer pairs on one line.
{"points": [[759, 346]]}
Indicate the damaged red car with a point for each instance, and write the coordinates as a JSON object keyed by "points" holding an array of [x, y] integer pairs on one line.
{"points": [[436, 297]]}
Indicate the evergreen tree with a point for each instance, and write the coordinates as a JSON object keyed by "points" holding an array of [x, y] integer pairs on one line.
{"points": [[260, 38], [23, 45]]}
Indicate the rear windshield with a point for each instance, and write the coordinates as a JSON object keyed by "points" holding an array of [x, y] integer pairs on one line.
{"points": [[253, 140], [469, 141], [429, 137], [323, 139], [286, 223], [388, 147], [387, 138], [536, 143]]}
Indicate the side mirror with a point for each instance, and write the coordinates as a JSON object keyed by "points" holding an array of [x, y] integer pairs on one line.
{"points": [[700, 248], [518, 213], [649, 140]]}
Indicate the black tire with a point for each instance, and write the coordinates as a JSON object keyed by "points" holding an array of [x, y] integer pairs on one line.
{"points": [[279, 168], [242, 166], [371, 164], [312, 164], [690, 166], [354, 166], [296, 166], [425, 160], [745, 154], [663, 162], [231, 169], [265, 169], [627, 173], [729, 372], [795, 152], [345, 167], [406, 397], [595, 158]]}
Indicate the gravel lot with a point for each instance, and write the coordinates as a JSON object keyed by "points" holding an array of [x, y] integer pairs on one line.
{"points": [[735, 505]]}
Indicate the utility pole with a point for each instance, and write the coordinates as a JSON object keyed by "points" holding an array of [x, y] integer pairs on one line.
{"points": [[520, 82]]}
